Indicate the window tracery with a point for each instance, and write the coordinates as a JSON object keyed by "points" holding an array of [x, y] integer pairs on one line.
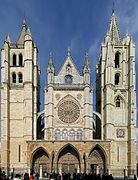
{"points": [[57, 134], [79, 134], [68, 111], [65, 134], [72, 134]]}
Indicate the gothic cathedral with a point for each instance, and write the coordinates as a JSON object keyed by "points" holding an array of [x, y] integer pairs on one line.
{"points": [[68, 135]]}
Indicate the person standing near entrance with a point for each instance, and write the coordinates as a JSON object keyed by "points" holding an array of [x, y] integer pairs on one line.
{"points": [[26, 176], [36, 176], [31, 177]]}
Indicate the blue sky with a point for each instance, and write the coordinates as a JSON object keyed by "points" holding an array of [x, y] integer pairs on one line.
{"points": [[57, 24]]}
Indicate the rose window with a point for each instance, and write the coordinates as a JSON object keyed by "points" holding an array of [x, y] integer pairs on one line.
{"points": [[68, 111]]}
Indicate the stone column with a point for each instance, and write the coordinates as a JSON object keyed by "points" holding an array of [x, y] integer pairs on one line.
{"points": [[97, 169], [78, 169], [82, 167], [41, 172], [29, 171], [60, 169]]}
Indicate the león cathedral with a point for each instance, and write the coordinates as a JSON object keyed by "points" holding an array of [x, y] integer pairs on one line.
{"points": [[69, 135]]}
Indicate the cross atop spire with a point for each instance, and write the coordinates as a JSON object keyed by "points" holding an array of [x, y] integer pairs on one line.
{"points": [[113, 30]]}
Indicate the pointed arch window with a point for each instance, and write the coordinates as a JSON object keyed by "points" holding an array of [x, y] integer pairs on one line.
{"points": [[117, 79], [65, 134], [117, 60], [14, 60], [20, 59], [13, 77], [20, 77], [79, 134], [117, 103], [57, 134], [72, 134]]}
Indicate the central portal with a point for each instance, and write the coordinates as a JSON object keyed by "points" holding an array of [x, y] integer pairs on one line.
{"points": [[68, 160]]}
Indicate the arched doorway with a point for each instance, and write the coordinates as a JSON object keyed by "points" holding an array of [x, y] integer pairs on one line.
{"points": [[68, 160], [40, 162], [97, 160]]}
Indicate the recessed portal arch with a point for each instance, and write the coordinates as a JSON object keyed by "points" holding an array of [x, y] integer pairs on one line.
{"points": [[40, 161], [97, 160], [68, 159]]}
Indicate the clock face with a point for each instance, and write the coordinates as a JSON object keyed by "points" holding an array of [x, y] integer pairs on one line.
{"points": [[68, 111]]}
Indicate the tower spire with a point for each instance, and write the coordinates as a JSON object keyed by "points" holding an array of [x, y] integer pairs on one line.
{"points": [[23, 32], [113, 31]]}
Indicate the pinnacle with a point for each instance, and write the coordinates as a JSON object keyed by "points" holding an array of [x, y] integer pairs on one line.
{"points": [[86, 61], [29, 32], [50, 63], [8, 39]]}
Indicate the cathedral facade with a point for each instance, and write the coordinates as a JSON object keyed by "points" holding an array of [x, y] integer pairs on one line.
{"points": [[68, 135]]}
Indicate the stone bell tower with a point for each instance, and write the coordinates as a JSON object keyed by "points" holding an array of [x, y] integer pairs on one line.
{"points": [[116, 97], [19, 99]]}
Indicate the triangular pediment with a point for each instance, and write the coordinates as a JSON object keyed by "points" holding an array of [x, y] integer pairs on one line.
{"points": [[65, 66], [69, 68]]}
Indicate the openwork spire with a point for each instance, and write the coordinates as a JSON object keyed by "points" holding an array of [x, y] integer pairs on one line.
{"points": [[113, 30]]}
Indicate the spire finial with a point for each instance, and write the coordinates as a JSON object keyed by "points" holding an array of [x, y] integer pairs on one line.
{"points": [[50, 58], [50, 62], [69, 51], [24, 23], [50, 55]]}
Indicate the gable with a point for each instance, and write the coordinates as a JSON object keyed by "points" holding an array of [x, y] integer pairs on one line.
{"points": [[68, 68]]}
